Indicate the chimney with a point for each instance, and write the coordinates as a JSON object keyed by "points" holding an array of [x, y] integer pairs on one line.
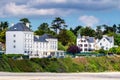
{"points": [[28, 25], [12, 24]]}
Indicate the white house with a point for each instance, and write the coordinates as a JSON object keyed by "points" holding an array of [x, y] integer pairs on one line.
{"points": [[21, 40], [105, 43], [86, 43]]}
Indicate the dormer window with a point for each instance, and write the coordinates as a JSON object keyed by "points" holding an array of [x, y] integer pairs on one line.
{"points": [[103, 39]]}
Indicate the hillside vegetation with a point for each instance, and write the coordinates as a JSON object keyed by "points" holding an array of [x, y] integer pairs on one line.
{"points": [[90, 64]]}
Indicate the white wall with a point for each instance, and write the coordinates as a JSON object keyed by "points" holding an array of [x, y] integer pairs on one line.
{"points": [[28, 42], [19, 39], [83, 47], [45, 48], [105, 44]]}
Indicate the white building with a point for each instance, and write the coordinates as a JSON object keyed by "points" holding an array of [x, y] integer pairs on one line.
{"points": [[105, 43], [86, 43], [21, 40]]}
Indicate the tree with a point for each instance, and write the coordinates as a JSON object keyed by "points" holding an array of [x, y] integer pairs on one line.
{"points": [[113, 50], [44, 28], [76, 30], [3, 25], [25, 21], [99, 33], [60, 46], [2, 36], [66, 37], [109, 29], [73, 49], [58, 24], [117, 39], [114, 28], [3, 28], [118, 28], [118, 50], [87, 31]]}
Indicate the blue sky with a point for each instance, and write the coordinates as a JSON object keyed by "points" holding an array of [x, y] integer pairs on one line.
{"points": [[74, 12]]}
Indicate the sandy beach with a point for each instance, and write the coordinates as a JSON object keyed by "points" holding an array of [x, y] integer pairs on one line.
{"points": [[60, 76]]}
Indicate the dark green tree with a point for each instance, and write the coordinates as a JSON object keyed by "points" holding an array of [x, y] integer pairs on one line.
{"points": [[44, 28], [76, 29], [108, 29], [99, 33], [58, 24], [66, 37], [87, 31], [3, 25], [3, 28], [114, 28], [118, 28], [25, 21]]}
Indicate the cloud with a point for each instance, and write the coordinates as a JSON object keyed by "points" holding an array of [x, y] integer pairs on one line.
{"points": [[11, 8], [88, 20], [76, 4], [14, 9]]}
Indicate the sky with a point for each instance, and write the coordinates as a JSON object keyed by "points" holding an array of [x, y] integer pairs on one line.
{"points": [[74, 12]]}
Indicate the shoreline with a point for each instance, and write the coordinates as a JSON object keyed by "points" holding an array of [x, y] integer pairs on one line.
{"points": [[60, 76]]}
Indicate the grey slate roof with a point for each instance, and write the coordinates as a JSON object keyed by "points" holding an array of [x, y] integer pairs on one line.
{"points": [[79, 36], [19, 27], [90, 39], [43, 38], [109, 39]]}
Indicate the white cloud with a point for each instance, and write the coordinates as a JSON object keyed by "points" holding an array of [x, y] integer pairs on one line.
{"points": [[12, 9], [88, 20], [53, 7]]}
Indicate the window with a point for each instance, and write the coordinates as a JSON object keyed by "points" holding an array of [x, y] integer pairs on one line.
{"points": [[81, 40], [80, 45], [14, 41], [14, 46], [81, 49], [89, 45], [102, 47], [85, 45], [85, 49], [14, 35], [106, 48], [44, 53], [61, 53], [84, 40], [25, 51], [103, 39], [100, 43]]}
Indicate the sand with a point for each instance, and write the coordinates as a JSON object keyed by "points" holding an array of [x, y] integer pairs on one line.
{"points": [[60, 76]]}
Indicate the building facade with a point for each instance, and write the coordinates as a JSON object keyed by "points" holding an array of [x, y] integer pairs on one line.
{"points": [[86, 43], [20, 39], [105, 43]]}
